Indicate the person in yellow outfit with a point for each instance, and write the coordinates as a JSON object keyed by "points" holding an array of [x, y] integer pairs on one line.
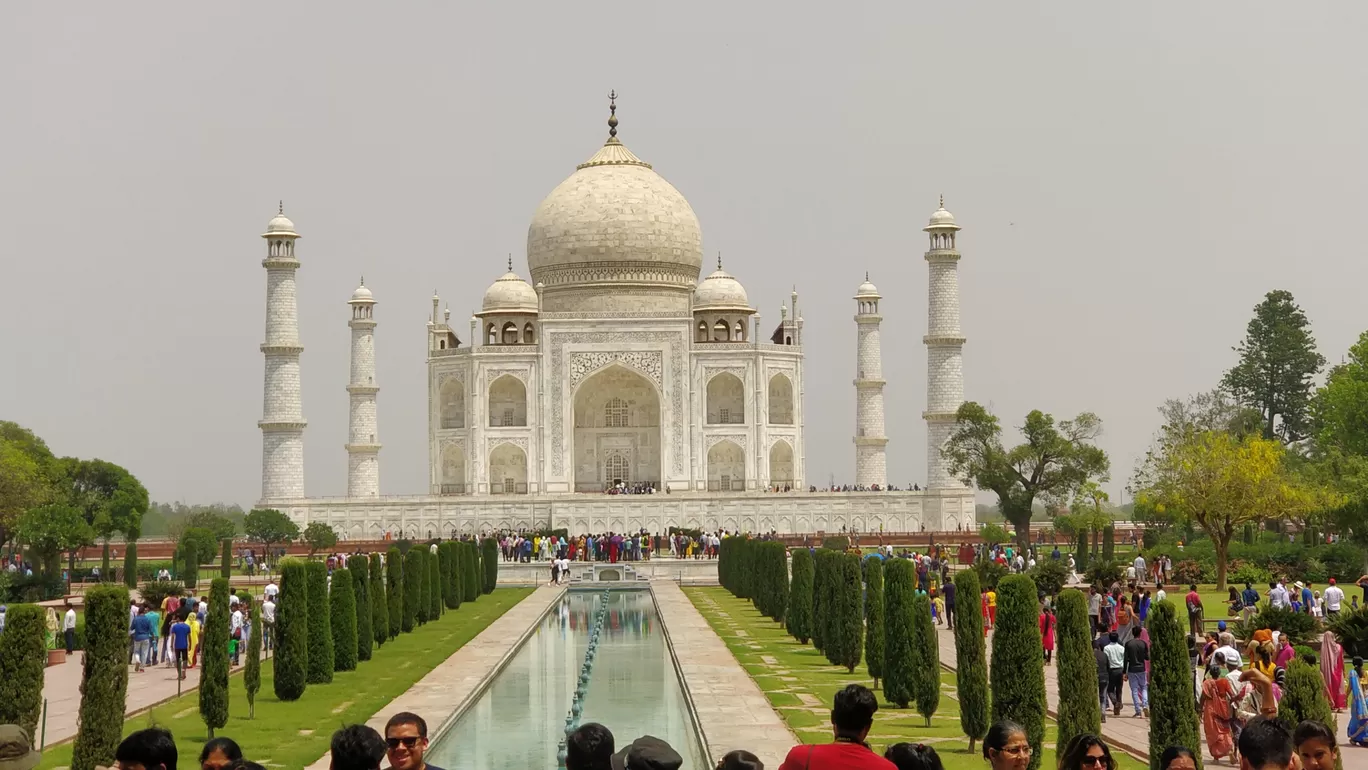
{"points": [[194, 638], [992, 608]]}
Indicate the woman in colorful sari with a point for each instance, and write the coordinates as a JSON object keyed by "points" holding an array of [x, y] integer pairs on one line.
{"points": [[1358, 709], [1332, 669], [1217, 692]]}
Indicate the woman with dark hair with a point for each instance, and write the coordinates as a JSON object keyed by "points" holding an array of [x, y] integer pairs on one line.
{"points": [[1315, 744], [1047, 631], [1217, 705], [1177, 758], [1358, 707], [219, 754], [1086, 752], [1006, 746], [740, 760], [913, 756]]}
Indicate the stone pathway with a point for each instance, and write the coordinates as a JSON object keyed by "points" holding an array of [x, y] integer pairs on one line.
{"points": [[732, 710]]}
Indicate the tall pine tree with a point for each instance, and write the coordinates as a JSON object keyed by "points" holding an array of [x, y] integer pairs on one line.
{"points": [[1278, 360], [342, 615], [213, 691], [926, 649], [365, 636], [104, 678], [290, 670], [379, 601], [394, 587], [320, 624], [849, 600]]}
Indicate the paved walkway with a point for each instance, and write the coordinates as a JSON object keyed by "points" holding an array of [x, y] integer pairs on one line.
{"points": [[733, 712]]}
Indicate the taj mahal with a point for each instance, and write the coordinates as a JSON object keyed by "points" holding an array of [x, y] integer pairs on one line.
{"points": [[614, 390]]}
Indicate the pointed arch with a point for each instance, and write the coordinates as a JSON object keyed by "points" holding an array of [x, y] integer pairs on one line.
{"points": [[508, 470], [453, 470], [507, 402], [726, 467], [780, 400], [781, 465], [726, 400]]}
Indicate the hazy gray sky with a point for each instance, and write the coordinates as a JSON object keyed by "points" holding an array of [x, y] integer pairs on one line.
{"points": [[1131, 179]]}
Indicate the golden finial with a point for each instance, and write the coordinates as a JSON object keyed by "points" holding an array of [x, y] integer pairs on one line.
{"points": [[612, 115]]}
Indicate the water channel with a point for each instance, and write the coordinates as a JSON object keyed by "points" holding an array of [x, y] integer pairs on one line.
{"points": [[519, 720]]}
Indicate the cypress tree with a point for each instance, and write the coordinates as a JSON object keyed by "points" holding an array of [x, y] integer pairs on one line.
{"points": [[874, 619], [213, 691], [359, 566], [851, 628], [898, 590], [131, 564], [1017, 676], [424, 585], [448, 587], [251, 672], [820, 572], [190, 570], [379, 602], [926, 651], [1173, 719], [434, 568], [971, 665], [342, 614], [413, 589], [471, 576], [225, 560], [744, 569], [104, 678], [478, 572], [1079, 712], [458, 572], [490, 560], [799, 616], [23, 655], [291, 666], [1109, 547], [319, 624], [105, 575], [1081, 557], [1304, 698], [394, 587]]}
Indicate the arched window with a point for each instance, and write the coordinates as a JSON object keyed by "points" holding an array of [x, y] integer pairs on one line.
{"points": [[721, 332], [702, 331], [528, 336], [616, 469], [491, 335], [615, 413], [740, 334], [510, 333]]}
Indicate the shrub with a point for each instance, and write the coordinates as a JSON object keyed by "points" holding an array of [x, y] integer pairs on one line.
{"points": [[821, 599], [798, 619], [1173, 720], [23, 655], [342, 617], [130, 569], [989, 572], [1103, 572], [434, 569], [1079, 711], [380, 613], [445, 566], [1248, 572], [154, 592], [478, 572], [320, 624], [1081, 552], [1149, 538], [899, 658], [993, 534], [394, 590], [1304, 698], [850, 626], [1188, 571], [1297, 626], [291, 666], [874, 618], [359, 567], [777, 560], [213, 691], [1018, 673], [971, 666], [926, 674], [1050, 575], [251, 672], [490, 561], [839, 543], [415, 563], [104, 678]]}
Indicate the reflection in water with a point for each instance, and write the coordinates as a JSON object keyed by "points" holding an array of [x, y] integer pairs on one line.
{"points": [[520, 719]]}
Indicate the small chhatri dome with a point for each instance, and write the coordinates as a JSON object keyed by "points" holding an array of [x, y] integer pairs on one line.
{"points": [[509, 294], [280, 224], [720, 291], [362, 294], [942, 218], [867, 289]]}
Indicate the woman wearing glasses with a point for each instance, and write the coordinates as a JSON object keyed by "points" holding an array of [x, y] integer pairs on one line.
{"points": [[1086, 752], [1006, 746]]}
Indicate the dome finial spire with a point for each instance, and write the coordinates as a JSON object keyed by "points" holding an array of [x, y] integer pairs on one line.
{"points": [[363, 280], [510, 261], [612, 115], [942, 200], [866, 275], [719, 259], [281, 210]]}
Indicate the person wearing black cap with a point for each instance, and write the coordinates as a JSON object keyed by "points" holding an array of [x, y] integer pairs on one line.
{"points": [[589, 747], [852, 715], [647, 753]]}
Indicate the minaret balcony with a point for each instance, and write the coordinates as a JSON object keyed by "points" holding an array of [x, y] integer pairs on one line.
{"points": [[940, 416], [863, 382], [280, 262], [281, 426], [942, 255], [870, 440], [363, 448], [363, 389], [943, 339], [270, 349]]}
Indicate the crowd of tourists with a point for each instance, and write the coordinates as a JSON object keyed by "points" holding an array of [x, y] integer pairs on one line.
{"points": [[610, 547]]}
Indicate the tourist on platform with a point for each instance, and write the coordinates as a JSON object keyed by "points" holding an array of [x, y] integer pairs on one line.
{"points": [[1086, 751], [1316, 746], [406, 742], [913, 756], [357, 747], [219, 754], [1006, 747], [852, 714], [1177, 758], [589, 747], [740, 760], [1265, 744], [150, 749]]}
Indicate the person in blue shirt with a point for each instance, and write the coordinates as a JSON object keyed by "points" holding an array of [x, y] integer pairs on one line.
{"points": [[1307, 598], [142, 638], [1250, 596], [180, 642]]}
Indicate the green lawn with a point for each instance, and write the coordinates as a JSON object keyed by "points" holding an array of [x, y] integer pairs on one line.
{"points": [[800, 684], [293, 735]]}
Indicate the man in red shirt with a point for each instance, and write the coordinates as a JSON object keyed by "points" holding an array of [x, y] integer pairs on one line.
{"points": [[851, 717], [1194, 609]]}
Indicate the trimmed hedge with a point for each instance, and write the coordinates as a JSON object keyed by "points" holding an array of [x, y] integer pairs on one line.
{"points": [[1173, 718], [320, 624], [898, 590], [379, 603], [874, 619], [291, 666], [821, 587], [489, 559], [926, 650], [971, 664], [394, 586], [23, 655], [359, 566], [213, 691], [1076, 669], [1017, 677], [342, 616], [104, 678], [457, 573], [444, 559], [798, 619]]}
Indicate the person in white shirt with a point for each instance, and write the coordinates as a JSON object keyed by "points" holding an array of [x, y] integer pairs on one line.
{"points": [[1140, 568], [268, 609], [235, 632], [1159, 595], [272, 590], [1334, 599], [69, 629]]}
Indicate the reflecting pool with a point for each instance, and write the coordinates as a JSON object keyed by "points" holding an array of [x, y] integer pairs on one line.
{"points": [[519, 720]]}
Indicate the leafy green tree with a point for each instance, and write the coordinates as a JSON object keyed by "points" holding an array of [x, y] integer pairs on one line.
{"points": [[23, 654], [213, 519], [1079, 712], [1173, 720], [1053, 461], [26, 475], [226, 560], [1340, 408], [394, 588], [380, 612], [1017, 677], [434, 569], [213, 691], [926, 650], [359, 566], [799, 617], [849, 600], [291, 666], [899, 657], [320, 537], [109, 497], [489, 559], [342, 615], [269, 527], [874, 618], [251, 672], [104, 678], [320, 624], [52, 530], [1304, 698], [1278, 361], [971, 665], [413, 589]]}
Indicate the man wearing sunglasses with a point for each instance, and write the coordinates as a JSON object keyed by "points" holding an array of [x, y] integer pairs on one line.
{"points": [[406, 742]]}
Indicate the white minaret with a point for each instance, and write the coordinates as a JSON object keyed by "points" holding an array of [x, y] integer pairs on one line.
{"points": [[363, 448], [944, 343], [870, 465], [282, 422]]}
